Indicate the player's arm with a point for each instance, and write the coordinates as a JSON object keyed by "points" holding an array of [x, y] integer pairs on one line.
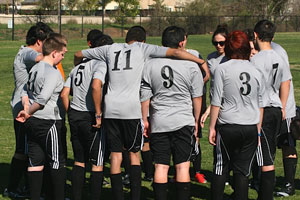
{"points": [[65, 97], [197, 102], [145, 110], [214, 113], [182, 54], [204, 116], [284, 94], [97, 95], [78, 57]]}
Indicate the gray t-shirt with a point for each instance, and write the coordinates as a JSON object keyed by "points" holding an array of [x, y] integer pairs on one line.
{"points": [[125, 65], [290, 108], [213, 61], [171, 84], [238, 91], [24, 61], [44, 86], [274, 71], [80, 81]]}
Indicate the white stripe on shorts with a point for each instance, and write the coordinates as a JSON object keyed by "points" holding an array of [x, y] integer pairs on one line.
{"points": [[54, 146]]}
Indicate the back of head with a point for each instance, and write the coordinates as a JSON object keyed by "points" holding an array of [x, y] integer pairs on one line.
{"points": [[136, 33], [93, 35], [55, 42], [237, 46], [38, 32], [222, 30], [172, 36], [104, 40], [250, 33], [265, 30]]}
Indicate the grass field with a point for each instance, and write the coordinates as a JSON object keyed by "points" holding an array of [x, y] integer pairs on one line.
{"points": [[202, 43]]}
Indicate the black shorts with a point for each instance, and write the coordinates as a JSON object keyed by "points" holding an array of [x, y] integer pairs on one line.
{"points": [[180, 143], [285, 138], [21, 138], [44, 143], [124, 134], [88, 142], [235, 146], [272, 120]]}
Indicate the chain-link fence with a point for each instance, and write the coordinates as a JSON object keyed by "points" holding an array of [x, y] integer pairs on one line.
{"points": [[76, 26]]}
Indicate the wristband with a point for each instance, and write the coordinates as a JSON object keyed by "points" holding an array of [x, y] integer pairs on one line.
{"points": [[202, 63], [259, 134], [98, 116]]}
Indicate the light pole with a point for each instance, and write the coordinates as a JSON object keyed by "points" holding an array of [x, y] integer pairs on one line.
{"points": [[103, 7], [59, 16], [13, 21]]}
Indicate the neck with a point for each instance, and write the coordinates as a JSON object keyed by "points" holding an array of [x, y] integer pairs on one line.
{"points": [[264, 45], [48, 60], [34, 47]]}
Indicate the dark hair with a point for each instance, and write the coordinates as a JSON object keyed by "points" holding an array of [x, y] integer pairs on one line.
{"points": [[93, 35], [172, 36], [265, 30], [38, 32], [237, 46], [54, 42], [250, 34], [222, 30], [104, 40], [136, 33]]}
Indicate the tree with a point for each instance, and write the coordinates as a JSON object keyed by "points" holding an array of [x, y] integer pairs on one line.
{"points": [[127, 8], [71, 4], [47, 5], [90, 5]]}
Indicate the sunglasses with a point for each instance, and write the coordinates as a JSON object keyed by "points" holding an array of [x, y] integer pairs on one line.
{"points": [[221, 43]]}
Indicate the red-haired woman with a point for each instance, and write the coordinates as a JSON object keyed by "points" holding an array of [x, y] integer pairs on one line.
{"points": [[235, 116]]}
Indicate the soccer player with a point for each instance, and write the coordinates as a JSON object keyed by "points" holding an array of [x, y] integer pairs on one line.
{"points": [[84, 113], [27, 56], [236, 113], [285, 140], [277, 77], [175, 88], [122, 111], [43, 120]]}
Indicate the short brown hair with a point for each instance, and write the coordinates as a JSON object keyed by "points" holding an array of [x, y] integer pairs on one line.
{"points": [[54, 42], [237, 46]]}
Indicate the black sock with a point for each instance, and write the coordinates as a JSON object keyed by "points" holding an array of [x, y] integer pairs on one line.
{"points": [[256, 172], [117, 186], [96, 184], [135, 182], [290, 165], [35, 180], [267, 182], [240, 186], [17, 169], [126, 161], [183, 190], [148, 163], [197, 162], [160, 191], [78, 177], [58, 177], [217, 186]]}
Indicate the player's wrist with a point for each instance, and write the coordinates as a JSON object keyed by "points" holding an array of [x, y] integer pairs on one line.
{"points": [[98, 115]]}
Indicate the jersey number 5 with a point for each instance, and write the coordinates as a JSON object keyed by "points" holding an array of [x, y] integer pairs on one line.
{"points": [[79, 75], [167, 74], [245, 78]]}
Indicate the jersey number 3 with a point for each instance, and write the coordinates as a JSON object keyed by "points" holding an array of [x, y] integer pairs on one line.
{"points": [[245, 78], [167, 74]]}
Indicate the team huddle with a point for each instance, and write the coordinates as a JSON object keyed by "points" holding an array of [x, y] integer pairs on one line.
{"points": [[133, 98]]}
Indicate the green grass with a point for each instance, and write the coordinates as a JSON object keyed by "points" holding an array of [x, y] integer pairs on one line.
{"points": [[202, 43]]}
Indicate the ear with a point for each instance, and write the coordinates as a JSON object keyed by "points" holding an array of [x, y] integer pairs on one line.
{"points": [[89, 43], [255, 35], [181, 44]]}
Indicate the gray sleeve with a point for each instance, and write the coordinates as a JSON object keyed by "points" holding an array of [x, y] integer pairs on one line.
{"points": [[31, 56], [145, 90], [48, 88], [151, 50], [68, 82], [98, 53], [196, 82], [100, 69], [218, 88], [286, 72]]}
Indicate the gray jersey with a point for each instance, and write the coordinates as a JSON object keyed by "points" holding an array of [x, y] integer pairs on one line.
{"points": [[238, 91], [24, 61], [44, 86], [171, 84], [290, 109], [125, 66], [80, 81], [274, 71], [213, 61]]}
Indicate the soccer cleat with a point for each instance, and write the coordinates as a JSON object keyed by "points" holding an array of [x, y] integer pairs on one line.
{"points": [[126, 180], [13, 195], [148, 178], [287, 190], [200, 178]]}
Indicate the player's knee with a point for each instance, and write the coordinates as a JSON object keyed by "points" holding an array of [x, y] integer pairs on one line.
{"points": [[97, 168], [134, 158], [289, 152], [80, 164]]}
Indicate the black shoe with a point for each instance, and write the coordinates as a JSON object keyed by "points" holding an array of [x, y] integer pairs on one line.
{"points": [[287, 190], [13, 195], [126, 180], [148, 178]]}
